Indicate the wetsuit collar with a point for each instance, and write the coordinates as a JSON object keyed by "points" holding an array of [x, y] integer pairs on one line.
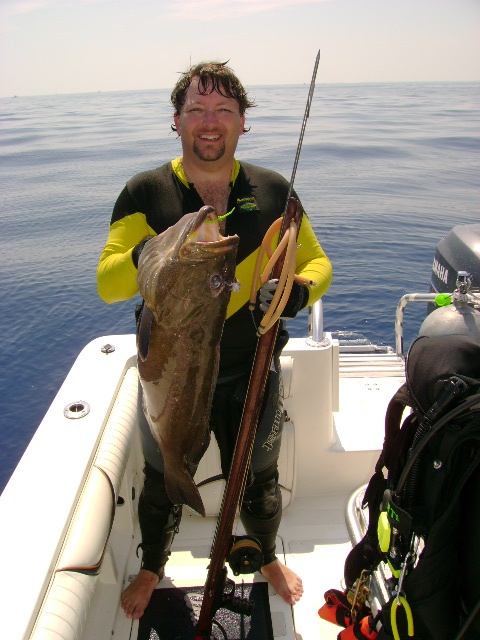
{"points": [[180, 173]]}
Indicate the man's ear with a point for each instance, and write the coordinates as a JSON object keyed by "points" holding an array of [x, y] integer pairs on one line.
{"points": [[176, 121]]}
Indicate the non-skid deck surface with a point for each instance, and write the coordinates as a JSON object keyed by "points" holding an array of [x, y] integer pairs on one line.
{"points": [[188, 565], [173, 612], [314, 542]]}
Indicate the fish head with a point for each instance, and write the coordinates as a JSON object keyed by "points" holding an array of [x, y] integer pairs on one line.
{"points": [[191, 262]]}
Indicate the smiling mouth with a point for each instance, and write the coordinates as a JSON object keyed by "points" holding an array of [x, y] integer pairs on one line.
{"points": [[210, 138]]}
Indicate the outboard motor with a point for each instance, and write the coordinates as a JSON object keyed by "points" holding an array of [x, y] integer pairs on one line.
{"points": [[453, 304], [458, 251]]}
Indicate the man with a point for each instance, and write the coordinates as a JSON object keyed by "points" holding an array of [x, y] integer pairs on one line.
{"points": [[209, 116]]}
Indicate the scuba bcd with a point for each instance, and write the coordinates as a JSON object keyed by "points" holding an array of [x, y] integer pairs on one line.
{"points": [[422, 523]]}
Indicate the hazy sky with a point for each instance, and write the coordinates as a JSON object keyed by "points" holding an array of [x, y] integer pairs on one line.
{"points": [[72, 46]]}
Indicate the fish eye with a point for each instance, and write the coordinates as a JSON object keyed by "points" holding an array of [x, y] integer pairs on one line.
{"points": [[216, 281]]}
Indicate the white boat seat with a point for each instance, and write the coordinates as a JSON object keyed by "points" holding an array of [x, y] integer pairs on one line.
{"points": [[64, 610]]}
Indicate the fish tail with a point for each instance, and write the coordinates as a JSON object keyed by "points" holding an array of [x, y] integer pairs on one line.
{"points": [[181, 489]]}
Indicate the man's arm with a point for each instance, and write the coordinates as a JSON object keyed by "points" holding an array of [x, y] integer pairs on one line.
{"points": [[312, 263], [116, 271]]}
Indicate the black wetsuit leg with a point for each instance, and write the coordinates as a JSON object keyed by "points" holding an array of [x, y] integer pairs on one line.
{"points": [[261, 509], [159, 521]]}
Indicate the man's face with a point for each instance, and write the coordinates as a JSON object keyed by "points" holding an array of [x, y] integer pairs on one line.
{"points": [[209, 125]]}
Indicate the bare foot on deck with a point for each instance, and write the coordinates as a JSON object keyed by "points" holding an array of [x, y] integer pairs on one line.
{"points": [[137, 595], [285, 582]]}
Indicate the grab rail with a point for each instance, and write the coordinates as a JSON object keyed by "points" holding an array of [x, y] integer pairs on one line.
{"points": [[315, 324], [400, 312]]}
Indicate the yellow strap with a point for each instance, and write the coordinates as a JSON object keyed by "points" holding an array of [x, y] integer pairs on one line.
{"points": [[393, 617], [288, 244], [285, 282]]}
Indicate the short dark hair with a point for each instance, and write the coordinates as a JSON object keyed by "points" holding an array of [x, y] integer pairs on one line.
{"points": [[212, 76]]}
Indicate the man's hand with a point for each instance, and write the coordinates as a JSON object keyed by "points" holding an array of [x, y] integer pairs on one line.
{"points": [[137, 250], [296, 302]]}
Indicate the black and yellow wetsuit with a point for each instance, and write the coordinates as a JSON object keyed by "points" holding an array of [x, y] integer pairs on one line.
{"points": [[154, 200], [150, 203]]}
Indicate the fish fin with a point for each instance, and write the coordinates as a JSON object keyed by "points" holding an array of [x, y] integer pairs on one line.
{"points": [[181, 489], [144, 328]]}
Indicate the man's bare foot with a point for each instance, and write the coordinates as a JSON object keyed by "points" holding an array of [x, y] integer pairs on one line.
{"points": [[285, 582], [137, 595]]}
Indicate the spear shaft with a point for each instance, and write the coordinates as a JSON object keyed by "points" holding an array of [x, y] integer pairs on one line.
{"points": [[213, 597]]}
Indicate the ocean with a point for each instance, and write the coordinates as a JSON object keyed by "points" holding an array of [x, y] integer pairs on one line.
{"points": [[386, 170]]}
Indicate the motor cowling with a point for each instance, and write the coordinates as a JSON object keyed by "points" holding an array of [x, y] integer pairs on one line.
{"points": [[458, 251]]}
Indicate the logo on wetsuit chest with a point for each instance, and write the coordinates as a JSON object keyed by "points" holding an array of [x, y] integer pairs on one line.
{"points": [[246, 204]]}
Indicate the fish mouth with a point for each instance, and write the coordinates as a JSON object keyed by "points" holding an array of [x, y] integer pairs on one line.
{"points": [[205, 231]]}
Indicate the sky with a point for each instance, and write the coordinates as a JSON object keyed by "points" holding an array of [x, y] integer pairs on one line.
{"points": [[77, 46]]}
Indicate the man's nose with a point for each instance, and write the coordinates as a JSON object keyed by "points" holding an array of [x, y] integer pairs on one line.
{"points": [[210, 116]]}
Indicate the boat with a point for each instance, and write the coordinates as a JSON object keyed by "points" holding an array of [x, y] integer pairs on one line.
{"points": [[69, 527]]}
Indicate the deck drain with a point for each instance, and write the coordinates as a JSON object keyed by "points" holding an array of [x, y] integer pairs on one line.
{"points": [[76, 410], [107, 348]]}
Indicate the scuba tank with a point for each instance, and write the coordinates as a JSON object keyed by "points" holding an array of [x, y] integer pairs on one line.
{"points": [[457, 313]]}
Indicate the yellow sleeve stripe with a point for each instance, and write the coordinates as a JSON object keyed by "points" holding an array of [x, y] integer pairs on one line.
{"points": [[116, 274], [244, 274], [312, 263]]}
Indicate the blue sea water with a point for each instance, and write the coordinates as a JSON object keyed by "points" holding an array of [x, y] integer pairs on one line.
{"points": [[386, 170]]}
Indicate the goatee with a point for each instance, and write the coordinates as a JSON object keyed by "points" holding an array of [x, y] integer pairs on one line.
{"points": [[208, 156]]}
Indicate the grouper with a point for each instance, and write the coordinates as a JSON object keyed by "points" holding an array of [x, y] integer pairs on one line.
{"points": [[185, 276]]}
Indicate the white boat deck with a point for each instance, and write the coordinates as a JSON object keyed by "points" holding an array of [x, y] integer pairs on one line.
{"points": [[335, 405], [313, 537], [314, 541]]}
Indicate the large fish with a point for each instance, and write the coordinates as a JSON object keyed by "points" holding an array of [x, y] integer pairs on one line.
{"points": [[185, 276]]}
